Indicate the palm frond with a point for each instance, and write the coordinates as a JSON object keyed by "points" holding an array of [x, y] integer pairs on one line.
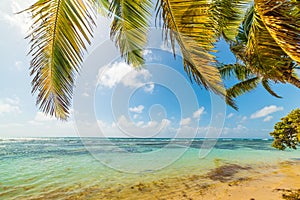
{"points": [[227, 70], [103, 7], [130, 27], [228, 16], [262, 52], [190, 23], [281, 19], [243, 87], [60, 31], [267, 86], [240, 71]]}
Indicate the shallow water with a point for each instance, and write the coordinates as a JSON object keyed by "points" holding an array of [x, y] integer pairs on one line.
{"points": [[39, 168]]}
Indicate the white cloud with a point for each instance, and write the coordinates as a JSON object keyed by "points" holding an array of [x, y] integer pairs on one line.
{"points": [[7, 108], [138, 109], [109, 76], [147, 52], [136, 79], [41, 117], [124, 127], [140, 123], [268, 118], [10, 106], [230, 115], [135, 116], [244, 118], [198, 112], [20, 21], [120, 72], [13, 101], [149, 88], [185, 121], [266, 111]]}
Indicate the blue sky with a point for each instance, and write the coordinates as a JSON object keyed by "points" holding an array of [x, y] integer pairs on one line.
{"points": [[156, 101]]}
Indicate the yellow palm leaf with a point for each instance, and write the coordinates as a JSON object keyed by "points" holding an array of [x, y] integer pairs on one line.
{"points": [[197, 26], [281, 19], [130, 27], [60, 30]]}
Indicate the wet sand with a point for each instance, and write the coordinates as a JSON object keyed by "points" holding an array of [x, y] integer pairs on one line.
{"points": [[228, 181]]}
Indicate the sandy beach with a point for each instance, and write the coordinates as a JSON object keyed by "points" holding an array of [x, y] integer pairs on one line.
{"points": [[227, 182]]}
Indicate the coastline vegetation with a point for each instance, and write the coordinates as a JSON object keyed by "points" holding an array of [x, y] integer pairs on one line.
{"points": [[287, 132]]}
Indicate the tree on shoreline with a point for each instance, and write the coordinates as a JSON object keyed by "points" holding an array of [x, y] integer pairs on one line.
{"points": [[287, 132]]}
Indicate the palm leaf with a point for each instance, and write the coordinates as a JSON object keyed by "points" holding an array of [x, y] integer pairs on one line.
{"points": [[262, 52], [130, 27], [266, 85], [190, 23], [240, 71], [281, 19], [60, 31], [103, 7], [228, 16], [243, 87]]}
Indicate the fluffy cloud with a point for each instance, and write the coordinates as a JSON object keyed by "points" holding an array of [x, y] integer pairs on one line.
{"points": [[185, 121], [230, 115], [10, 106], [147, 52], [120, 72], [41, 117], [138, 109], [266, 111], [124, 127], [149, 88], [110, 76], [268, 118], [20, 21], [198, 112]]}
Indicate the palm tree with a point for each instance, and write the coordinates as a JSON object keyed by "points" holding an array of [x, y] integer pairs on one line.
{"points": [[62, 28], [259, 57]]}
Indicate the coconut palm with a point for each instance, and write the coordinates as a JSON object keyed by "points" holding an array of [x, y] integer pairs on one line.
{"points": [[260, 57], [61, 30]]}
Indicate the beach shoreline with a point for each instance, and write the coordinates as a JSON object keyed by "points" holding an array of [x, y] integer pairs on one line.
{"points": [[226, 182]]}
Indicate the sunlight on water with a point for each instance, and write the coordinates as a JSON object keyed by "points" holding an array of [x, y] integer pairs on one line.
{"points": [[62, 167]]}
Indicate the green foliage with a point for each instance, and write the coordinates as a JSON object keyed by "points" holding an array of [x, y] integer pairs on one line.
{"points": [[287, 132], [266, 43], [260, 57]]}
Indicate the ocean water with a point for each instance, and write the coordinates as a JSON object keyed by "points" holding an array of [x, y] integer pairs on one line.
{"points": [[71, 168]]}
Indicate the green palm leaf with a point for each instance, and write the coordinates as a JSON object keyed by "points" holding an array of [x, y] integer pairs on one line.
{"points": [[262, 52], [259, 51], [129, 28], [190, 24], [60, 31], [243, 87], [266, 85], [281, 19], [228, 15], [196, 26], [241, 72], [239, 89]]}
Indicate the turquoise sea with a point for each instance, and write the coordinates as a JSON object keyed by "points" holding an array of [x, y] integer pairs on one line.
{"points": [[65, 168]]}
